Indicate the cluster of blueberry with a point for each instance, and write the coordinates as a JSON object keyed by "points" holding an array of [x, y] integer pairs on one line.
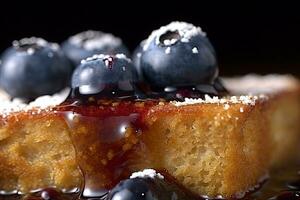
{"points": [[175, 58]]}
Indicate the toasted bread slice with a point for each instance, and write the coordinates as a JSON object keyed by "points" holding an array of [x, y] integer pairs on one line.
{"points": [[212, 146]]}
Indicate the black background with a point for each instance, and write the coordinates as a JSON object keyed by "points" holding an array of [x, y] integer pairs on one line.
{"points": [[248, 37]]}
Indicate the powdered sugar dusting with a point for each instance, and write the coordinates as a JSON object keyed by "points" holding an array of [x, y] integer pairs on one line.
{"points": [[4, 96], [122, 56], [185, 30], [169, 42], [256, 84], [139, 55], [30, 51], [249, 90], [226, 106], [34, 40], [16, 105], [246, 100], [48, 100], [147, 173], [105, 57], [31, 40], [168, 50], [91, 40], [195, 50]]}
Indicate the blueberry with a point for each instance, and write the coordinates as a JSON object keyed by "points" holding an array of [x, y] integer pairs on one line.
{"points": [[294, 185], [89, 43], [287, 195], [33, 67], [50, 194], [112, 76], [45, 194], [133, 189], [178, 54], [148, 188], [136, 59]]}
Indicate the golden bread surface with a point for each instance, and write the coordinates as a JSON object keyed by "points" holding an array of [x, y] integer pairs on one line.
{"points": [[212, 146]]}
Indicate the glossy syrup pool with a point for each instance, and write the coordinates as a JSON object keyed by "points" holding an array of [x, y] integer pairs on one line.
{"points": [[110, 133]]}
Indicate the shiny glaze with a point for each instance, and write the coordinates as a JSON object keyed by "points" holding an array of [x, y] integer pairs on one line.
{"points": [[113, 139]]}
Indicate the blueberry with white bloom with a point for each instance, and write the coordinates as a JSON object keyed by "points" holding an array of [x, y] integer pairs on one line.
{"points": [[89, 43], [112, 76], [33, 67], [148, 187], [136, 58], [177, 55]]}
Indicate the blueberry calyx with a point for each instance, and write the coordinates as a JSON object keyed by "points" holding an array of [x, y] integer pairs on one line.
{"points": [[169, 38], [173, 32]]}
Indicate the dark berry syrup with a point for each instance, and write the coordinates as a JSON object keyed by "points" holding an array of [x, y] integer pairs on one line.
{"points": [[107, 130]]}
